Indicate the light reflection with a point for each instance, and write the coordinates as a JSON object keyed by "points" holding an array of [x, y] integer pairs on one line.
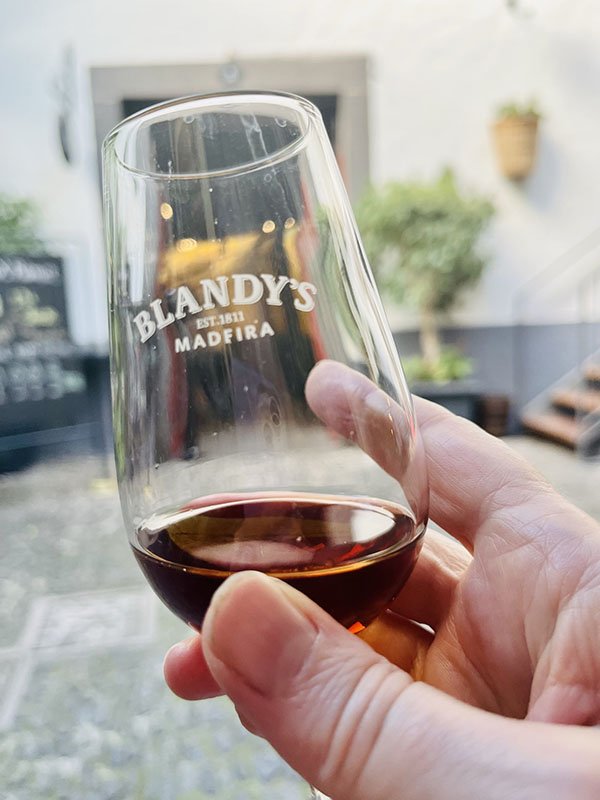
{"points": [[166, 211], [183, 245]]}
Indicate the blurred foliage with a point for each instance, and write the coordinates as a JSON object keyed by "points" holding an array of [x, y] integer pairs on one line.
{"points": [[521, 110], [422, 240], [452, 365], [19, 225]]}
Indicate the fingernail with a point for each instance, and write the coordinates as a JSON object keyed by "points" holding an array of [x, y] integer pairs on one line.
{"points": [[175, 656], [258, 628], [379, 403], [180, 648]]}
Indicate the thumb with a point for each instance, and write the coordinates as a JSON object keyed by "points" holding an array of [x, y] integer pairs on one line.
{"points": [[357, 727]]}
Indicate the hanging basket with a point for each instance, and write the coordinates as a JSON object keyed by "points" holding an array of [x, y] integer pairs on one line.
{"points": [[515, 141]]}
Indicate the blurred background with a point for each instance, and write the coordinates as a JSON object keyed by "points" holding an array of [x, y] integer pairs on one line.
{"points": [[467, 136]]}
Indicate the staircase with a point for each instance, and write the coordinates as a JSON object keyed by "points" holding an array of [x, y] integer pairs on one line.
{"points": [[567, 291], [569, 413]]}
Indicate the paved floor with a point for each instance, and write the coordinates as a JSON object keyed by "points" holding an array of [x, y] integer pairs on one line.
{"points": [[84, 714]]}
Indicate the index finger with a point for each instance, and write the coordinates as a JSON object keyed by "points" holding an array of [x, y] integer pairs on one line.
{"points": [[470, 472]]}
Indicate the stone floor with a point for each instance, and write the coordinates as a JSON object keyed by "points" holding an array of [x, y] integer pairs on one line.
{"points": [[84, 713]]}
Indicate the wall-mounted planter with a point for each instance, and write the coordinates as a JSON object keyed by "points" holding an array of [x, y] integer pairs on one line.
{"points": [[515, 141]]}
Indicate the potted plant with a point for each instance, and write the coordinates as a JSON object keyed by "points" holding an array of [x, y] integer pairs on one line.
{"points": [[515, 133], [422, 241]]}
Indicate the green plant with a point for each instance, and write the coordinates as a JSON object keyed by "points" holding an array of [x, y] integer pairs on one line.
{"points": [[18, 227], [422, 241], [521, 110], [452, 365]]}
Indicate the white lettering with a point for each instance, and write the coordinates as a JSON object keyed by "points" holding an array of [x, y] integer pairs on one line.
{"points": [[215, 338], [247, 289], [275, 287], [182, 344], [145, 325], [306, 291], [215, 290], [240, 297], [266, 330], [161, 320], [185, 301]]}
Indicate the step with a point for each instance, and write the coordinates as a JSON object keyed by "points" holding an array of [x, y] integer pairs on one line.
{"points": [[553, 425], [592, 373], [585, 401]]}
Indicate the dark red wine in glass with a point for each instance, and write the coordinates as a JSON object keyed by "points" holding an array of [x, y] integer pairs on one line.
{"points": [[351, 556]]}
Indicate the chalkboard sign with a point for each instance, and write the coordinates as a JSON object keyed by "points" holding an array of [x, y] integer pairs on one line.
{"points": [[40, 368]]}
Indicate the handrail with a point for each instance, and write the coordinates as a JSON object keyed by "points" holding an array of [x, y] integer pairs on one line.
{"points": [[560, 267], [566, 379], [555, 269]]}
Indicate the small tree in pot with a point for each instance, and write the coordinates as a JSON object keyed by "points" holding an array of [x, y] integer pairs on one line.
{"points": [[422, 241]]}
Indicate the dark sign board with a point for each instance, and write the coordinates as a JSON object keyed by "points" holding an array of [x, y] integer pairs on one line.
{"points": [[40, 368]]}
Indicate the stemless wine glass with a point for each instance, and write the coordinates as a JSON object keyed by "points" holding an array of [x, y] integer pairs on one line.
{"points": [[235, 267]]}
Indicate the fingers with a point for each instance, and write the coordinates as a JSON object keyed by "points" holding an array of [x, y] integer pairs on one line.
{"points": [[186, 671], [401, 641], [428, 594], [350, 404], [426, 598], [357, 727], [470, 472]]}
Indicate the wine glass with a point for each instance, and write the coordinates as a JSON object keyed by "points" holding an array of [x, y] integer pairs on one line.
{"points": [[238, 281]]}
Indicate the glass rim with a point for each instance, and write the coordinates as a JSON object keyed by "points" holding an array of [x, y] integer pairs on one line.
{"points": [[165, 109]]}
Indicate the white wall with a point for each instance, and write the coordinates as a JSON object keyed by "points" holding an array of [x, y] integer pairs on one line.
{"points": [[439, 68]]}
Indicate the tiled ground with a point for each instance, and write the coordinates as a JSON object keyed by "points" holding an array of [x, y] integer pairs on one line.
{"points": [[84, 713]]}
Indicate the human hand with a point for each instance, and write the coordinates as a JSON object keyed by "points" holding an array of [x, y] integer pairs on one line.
{"points": [[492, 704]]}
